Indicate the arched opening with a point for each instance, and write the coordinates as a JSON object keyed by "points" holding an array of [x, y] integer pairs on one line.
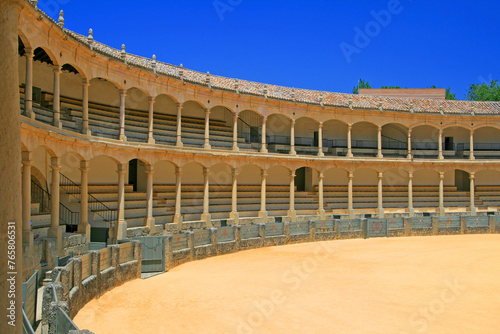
{"points": [[192, 192], [193, 124], [335, 190], [455, 139], [486, 145], [394, 140], [249, 191], [104, 108], [165, 120], [365, 190], [306, 136], [425, 189], [250, 128], [278, 133], [487, 189], [395, 190], [136, 115], [425, 141], [221, 128], [137, 176], [71, 96], [364, 139], [335, 137], [278, 191]]}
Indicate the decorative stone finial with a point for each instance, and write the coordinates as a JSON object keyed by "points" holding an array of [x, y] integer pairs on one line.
{"points": [[61, 19], [321, 99], [123, 53], [265, 91], [411, 107], [35, 3], [293, 94], [237, 86], [350, 102], [208, 81], [91, 35], [181, 73], [153, 63], [380, 104]]}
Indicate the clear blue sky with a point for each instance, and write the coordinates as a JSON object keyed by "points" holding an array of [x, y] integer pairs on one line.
{"points": [[303, 44]]}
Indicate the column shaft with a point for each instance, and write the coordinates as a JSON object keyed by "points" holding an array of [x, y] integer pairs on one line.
{"points": [[380, 195], [206, 198], [441, 194], [471, 156], [292, 138], [263, 148], [207, 130], [349, 141], [321, 205], [123, 95], [150, 221], [179, 126], [178, 195], [26, 191], [57, 100], [263, 211], [54, 193], [409, 144], [410, 194], [320, 140], [379, 143], [350, 206], [235, 133], [151, 139], [84, 226], [291, 211], [85, 108], [28, 93], [440, 145], [234, 196], [472, 194]]}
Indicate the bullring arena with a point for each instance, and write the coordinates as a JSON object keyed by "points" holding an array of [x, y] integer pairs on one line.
{"points": [[130, 164]]}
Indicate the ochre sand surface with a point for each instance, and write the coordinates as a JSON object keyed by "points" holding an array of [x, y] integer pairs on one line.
{"points": [[440, 284]]}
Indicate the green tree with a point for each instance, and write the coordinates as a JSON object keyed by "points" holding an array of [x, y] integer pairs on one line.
{"points": [[361, 84], [484, 91]]}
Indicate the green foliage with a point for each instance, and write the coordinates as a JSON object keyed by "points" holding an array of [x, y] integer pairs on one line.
{"points": [[484, 91], [391, 87], [361, 84], [449, 94]]}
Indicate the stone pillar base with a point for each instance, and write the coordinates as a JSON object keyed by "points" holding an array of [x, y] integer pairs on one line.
{"points": [[179, 143], [58, 124], [351, 214], [293, 152], [56, 233], [207, 218], [121, 230], [150, 222], [263, 215], [263, 150], [236, 148], [349, 155], [381, 212], [28, 239], [151, 140], [292, 214], [321, 154], [235, 216], [84, 229], [380, 155], [473, 211], [86, 131], [411, 211], [442, 211], [178, 220], [322, 214], [123, 138], [207, 146]]}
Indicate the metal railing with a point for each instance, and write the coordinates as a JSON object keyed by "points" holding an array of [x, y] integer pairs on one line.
{"points": [[41, 197], [96, 206], [68, 217], [250, 133], [479, 147]]}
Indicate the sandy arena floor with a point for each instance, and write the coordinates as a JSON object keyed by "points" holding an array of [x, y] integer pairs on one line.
{"points": [[442, 284]]}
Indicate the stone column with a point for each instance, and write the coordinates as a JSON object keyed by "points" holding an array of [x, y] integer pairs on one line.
{"points": [[150, 221], [320, 140], [473, 210], [84, 226], [379, 143], [263, 148], [207, 130], [179, 126], [57, 100], [151, 139], [28, 92], [350, 206], [121, 228], [206, 198], [234, 197], [292, 138], [409, 156], [178, 198], [10, 134], [440, 144], [26, 196], [235, 132], [349, 141], [291, 212], [321, 205], [411, 210], [263, 211], [55, 231], [123, 95], [380, 196], [85, 108], [471, 156], [441, 194]]}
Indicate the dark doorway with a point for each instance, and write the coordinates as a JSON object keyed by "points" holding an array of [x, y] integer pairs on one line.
{"points": [[254, 134], [132, 173], [316, 139], [300, 179], [448, 144]]}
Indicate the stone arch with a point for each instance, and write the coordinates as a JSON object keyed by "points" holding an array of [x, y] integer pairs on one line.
{"points": [[195, 172], [394, 136], [105, 92], [365, 177], [250, 174], [102, 170], [250, 126], [278, 175], [165, 172], [220, 174]]}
